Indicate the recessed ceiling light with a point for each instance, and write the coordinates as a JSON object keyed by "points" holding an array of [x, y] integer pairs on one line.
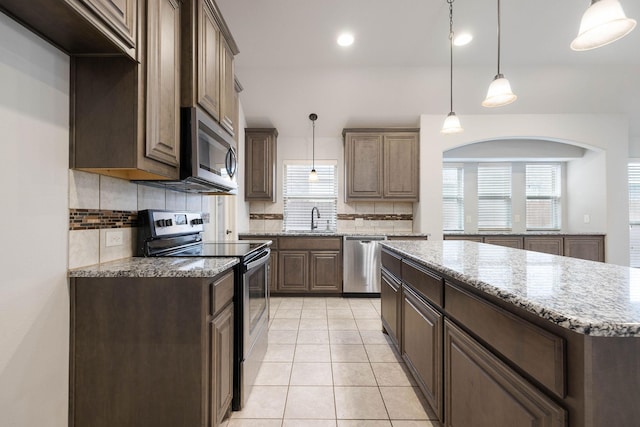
{"points": [[345, 39], [462, 39]]}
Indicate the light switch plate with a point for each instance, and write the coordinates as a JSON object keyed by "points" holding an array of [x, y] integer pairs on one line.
{"points": [[114, 238]]}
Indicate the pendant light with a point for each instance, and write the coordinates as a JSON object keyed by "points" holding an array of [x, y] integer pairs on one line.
{"points": [[499, 92], [313, 175], [603, 22], [452, 122]]}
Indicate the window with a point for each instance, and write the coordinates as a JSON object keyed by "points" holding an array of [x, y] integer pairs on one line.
{"points": [[494, 197], [301, 196], [452, 198], [634, 214], [543, 196]]}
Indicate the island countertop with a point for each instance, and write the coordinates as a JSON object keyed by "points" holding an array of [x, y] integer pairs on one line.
{"points": [[157, 267], [590, 298]]}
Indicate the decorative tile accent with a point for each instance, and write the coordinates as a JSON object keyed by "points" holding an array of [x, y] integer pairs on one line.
{"points": [[275, 216], [94, 219], [376, 217]]}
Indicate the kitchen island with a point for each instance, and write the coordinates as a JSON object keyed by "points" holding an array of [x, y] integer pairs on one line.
{"points": [[505, 337]]}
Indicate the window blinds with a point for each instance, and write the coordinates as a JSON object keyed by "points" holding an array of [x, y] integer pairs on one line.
{"points": [[543, 196], [301, 196], [634, 214], [494, 197], [452, 198]]}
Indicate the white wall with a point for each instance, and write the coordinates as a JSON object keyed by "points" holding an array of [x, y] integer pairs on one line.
{"points": [[34, 301], [596, 184]]}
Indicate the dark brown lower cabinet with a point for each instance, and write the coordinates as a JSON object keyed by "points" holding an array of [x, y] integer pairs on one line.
{"points": [[422, 346], [150, 352], [481, 391], [293, 267], [221, 386], [273, 266], [584, 247], [545, 244], [325, 271], [508, 241], [390, 300]]}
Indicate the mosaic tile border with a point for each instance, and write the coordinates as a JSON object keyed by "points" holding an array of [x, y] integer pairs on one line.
{"points": [[343, 217], [95, 219]]}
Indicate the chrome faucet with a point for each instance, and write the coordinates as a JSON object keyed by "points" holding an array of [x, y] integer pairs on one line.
{"points": [[313, 224]]}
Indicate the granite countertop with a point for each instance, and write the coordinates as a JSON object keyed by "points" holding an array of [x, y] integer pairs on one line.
{"points": [[157, 267], [330, 234], [587, 297]]}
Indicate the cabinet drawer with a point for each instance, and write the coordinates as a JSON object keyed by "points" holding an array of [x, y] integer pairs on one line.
{"points": [[221, 292], [424, 282], [537, 352], [391, 262], [310, 243]]}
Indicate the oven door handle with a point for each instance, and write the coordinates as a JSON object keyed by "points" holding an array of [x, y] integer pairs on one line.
{"points": [[263, 259]]}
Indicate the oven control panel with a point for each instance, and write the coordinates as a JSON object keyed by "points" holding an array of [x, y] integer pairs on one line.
{"points": [[170, 223]]}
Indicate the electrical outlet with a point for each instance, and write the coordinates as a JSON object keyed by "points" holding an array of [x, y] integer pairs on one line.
{"points": [[587, 218], [516, 218], [468, 219], [114, 238]]}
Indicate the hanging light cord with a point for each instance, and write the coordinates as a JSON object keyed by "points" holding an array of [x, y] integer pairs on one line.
{"points": [[313, 146], [498, 37], [450, 54]]}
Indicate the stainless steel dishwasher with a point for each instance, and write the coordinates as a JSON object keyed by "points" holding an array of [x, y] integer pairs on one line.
{"points": [[361, 265]]}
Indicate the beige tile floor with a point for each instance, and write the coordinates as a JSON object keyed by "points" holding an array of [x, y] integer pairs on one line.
{"points": [[328, 364]]}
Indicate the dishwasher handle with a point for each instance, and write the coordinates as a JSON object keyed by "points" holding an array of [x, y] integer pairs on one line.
{"points": [[365, 239]]}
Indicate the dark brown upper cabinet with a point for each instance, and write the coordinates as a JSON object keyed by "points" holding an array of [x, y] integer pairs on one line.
{"points": [[81, 26], [382, 164], [208, 49], [260, 164], [126, 115]]}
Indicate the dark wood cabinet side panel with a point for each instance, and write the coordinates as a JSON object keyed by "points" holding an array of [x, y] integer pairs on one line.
{"points": [[391, 261], [222, 351], [273, 265], [426, 283], [390, 292], [138, 352], [481, 391]]}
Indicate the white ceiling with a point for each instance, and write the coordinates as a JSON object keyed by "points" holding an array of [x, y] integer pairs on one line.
{"points": [[397, 68]]}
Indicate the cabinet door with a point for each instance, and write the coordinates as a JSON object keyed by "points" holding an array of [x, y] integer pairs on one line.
{"points": [[364, 165], [119, 15], [293, 269], [227, 88], [326, 271], [401, 166], [260, 157], [546, 244], [273, 265], [507, 241], [221, 388], [584, 247], [422, 346], [163, 82], [390, 297], [481, 391], [208, 65]]}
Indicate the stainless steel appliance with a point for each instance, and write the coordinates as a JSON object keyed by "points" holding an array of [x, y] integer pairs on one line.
{"points": [[361, 265], [179, 234], [208, 160]]}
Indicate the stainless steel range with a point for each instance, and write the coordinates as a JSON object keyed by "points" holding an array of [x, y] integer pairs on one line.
{"points": [[179, 234]]}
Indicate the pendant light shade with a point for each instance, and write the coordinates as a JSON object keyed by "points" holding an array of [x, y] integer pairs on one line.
{"points": [[452, 122], [603, 22], [313, 175], [499, 92]]}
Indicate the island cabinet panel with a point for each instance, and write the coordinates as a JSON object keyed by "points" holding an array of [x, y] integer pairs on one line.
{"points": [[481, 391], [422, 346], [510, 242], [425, 282], [221, 385], [547, 244], [585, 247], [535, 351], [390, 304]]}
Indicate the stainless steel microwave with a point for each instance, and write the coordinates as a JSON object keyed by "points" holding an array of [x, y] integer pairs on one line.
{"points": [[208, 153]]}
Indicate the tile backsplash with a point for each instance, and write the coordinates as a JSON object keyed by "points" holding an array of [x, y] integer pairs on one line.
{"points": [[99, 204], [369, 217]]}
